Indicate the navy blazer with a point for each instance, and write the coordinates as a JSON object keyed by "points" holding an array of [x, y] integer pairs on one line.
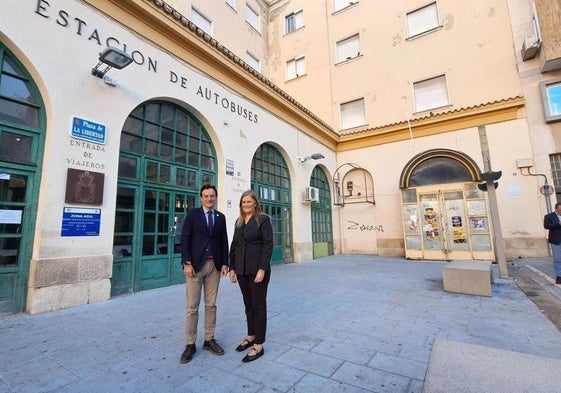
{"points": [[196, 238], [252, 246], [551, 222]]}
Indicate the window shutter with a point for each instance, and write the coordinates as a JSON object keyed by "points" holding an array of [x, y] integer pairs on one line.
{"points": [[430, 94], [348, 48]]}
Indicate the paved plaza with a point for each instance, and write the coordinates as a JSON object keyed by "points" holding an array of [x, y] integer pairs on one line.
{"points": [[338, 324]]}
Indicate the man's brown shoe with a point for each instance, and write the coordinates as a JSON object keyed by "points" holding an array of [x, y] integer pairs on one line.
{"points": [[187, 355], [212, 346]]}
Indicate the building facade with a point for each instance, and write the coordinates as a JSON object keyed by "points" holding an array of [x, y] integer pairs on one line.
{"points": [[363, 129]]}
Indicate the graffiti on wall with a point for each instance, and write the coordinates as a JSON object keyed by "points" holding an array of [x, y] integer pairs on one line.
{"points": [[354, 226]]}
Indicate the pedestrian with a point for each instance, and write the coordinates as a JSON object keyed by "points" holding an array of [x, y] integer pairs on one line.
{"points": [[204, 259], [250, 265], [552, 222]]}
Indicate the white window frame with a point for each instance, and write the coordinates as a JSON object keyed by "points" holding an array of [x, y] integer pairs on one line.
{"points": [[231, 3], [339, 5], [294, 21], [352, 113], [201, 21], [431, 93], [253, 62], [422, 20], [252, 17], [296, 67], [551, 99], [348, 48]]}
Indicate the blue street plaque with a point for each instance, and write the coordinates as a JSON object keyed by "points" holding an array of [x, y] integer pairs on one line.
{"points": [[88, 130], [80, 222]]}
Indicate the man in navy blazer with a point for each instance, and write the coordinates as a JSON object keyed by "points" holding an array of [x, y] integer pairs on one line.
{"points": [[552, 222], [204, 258]]}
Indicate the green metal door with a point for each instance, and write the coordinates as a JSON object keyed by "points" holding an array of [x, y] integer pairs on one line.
{"points": [[148, 256], [166, 155], [162, 220], [16, 228], [22, 135], [279, 222], [322, 225], [270, 179]]}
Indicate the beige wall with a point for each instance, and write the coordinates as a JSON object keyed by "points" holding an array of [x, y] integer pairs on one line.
{"points": [[518, 197], [544, 138], [473, 44], [314, 89], [229, 25]]}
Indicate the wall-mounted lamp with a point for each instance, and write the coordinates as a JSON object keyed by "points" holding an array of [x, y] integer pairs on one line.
{"points": [[113, 58], [315, 156]]}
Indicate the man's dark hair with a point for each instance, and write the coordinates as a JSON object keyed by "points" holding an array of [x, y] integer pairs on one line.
{"points": [[206, 187]]}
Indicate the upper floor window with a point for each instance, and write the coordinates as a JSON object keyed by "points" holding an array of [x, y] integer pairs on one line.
{"points": [[353, 114], [253, 62], [551, 99], [252, 17], [422, 20], [294, 21], [231, 3], [340, 4], [430, 93], [348, 48], [200, 20], [555, 161], [296, 67]]}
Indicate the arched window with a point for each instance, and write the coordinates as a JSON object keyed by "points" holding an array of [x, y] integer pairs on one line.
{"points": [[439, 170]]}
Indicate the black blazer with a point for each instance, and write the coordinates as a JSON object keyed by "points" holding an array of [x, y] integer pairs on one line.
{"points": [[252, 246], [551, 222], [196, 238]]}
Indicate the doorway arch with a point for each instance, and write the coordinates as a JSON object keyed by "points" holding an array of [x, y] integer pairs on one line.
{"points": [[166, 155], [270, 179], [322, 221], [22, 140]]}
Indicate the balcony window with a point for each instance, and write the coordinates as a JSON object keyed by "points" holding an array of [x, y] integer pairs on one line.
{"points": [[422, 20], [353, 114], [253, 62], [201, 21], [430, 93], [294, 21], [252, 17], [348, 48], [295, 67]]}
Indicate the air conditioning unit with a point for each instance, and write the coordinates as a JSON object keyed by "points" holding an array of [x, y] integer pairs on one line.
{"points": [[311, 194], [530, 47]]}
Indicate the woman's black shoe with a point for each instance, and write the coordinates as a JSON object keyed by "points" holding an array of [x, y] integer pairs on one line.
{"points": [[244, 345], [250, 358]]}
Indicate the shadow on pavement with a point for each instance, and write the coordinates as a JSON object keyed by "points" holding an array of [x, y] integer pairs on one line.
{"points": [[535, 277]]}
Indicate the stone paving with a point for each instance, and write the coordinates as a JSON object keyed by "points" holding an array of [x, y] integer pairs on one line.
{"points": [[338, 324]]}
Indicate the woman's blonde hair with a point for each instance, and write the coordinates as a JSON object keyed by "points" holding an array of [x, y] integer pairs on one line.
{"points": [[258, 210]]}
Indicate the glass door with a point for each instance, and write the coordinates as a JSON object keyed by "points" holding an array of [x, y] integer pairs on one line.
{"points": [[446, 222], [16, 227], [455, 225], [147, 238], [431, 225], [163, 214]]}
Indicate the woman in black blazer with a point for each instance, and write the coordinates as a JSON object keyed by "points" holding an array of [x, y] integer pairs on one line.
{"points": [[250, 266]]}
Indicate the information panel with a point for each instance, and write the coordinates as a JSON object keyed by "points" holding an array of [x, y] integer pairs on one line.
{"points": [[80, 222]]}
